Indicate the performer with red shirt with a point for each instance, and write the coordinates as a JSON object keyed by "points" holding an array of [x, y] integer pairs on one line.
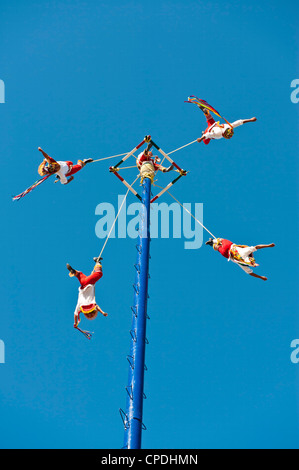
{"points": [[239, 254]]}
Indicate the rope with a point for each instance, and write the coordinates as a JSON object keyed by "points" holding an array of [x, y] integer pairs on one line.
{"points": [[112, 156], [186, 145], [112, 226], [121, 154], [169, 153], [147, 171], [188, 212], [127, 167], [160, 164]]}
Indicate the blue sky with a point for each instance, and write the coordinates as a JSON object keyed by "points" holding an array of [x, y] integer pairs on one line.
{"points": [[90, 79]]}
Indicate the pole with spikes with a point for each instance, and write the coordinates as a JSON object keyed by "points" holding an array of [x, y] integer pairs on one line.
{"points": [[134, 408], [133, 416]]}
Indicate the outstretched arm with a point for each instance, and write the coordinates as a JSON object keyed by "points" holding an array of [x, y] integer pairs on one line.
{"points": [[101, 311], [260, 247], [46, 156], [240, 122], [249, 120], [76, 319], [264, 278]]}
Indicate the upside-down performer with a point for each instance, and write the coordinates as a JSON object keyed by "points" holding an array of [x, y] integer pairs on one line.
{"points": [[239, 254], [86, 303], [215, 130], [64, 171]]}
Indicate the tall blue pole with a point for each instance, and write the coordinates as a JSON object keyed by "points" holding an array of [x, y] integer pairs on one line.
{"points": [[134, 409]]}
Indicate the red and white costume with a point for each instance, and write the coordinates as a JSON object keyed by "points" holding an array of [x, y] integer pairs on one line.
{"points": [[66, 169], [228, 249], [216, 130], [86, 297], [225, 247], [143, 157]]}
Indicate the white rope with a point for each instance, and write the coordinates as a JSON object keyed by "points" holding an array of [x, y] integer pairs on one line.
{"points": [[112, 156], [169, 153], [107, 158], [112, 226], [161, 163], [127, 167], [188, 212], [147, 170], [122, 154]]}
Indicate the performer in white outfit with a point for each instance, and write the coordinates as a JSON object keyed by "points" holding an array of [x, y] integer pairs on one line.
{"points": [[64, 171], [215, 130], [86, 298], [242, 255]]}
